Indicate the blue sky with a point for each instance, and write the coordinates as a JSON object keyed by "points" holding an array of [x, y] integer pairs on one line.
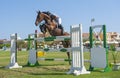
{"points": [[18, 16]]}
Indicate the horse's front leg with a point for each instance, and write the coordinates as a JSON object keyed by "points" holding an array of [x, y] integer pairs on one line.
{"points": [[41, 28]]}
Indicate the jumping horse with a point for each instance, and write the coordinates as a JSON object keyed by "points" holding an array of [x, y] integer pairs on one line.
{"points": [[51, 26]]}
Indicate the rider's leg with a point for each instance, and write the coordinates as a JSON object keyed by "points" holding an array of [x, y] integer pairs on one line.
{"points": [[61, 27]]}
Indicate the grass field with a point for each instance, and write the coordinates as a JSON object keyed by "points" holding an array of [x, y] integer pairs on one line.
{"points": [[48, 69]]}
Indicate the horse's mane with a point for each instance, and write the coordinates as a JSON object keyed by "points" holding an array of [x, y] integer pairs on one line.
{"points": [[48, 17]]}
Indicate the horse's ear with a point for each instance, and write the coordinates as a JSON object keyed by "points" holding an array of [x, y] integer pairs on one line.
{"points": [[38, 12]]}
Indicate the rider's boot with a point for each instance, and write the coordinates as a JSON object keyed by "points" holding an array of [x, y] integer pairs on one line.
{"points": [[61, 27]]}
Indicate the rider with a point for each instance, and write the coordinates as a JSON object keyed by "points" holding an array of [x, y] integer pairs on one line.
{"points": [[56, 18]]}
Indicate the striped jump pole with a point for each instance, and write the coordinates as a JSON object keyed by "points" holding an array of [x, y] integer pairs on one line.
{"points": [[53, 59]]}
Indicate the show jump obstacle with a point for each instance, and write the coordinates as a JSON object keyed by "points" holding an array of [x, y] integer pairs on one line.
{"points": [[98, 45], [13, 56], [33, 52], [77, 66]]}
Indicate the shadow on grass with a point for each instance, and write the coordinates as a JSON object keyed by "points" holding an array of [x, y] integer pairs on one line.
{"points": [[43, 65], [2, 67], [54, 70], [47, 73], [99, 70], [40, 73]]}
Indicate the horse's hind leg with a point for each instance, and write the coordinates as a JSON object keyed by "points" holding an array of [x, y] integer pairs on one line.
{"points": [[68, 54], [66, 44]]}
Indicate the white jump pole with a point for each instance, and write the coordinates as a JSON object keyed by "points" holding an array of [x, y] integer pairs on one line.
{"points": [[77, 66], [13, 56]]}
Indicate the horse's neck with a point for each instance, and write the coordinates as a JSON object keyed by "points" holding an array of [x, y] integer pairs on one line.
{"points": [[47, 19]]}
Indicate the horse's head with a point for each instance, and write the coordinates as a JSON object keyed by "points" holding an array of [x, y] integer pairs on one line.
{"points": [[39, 18]]}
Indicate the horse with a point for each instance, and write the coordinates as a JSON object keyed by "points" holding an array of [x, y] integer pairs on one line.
{"points": [[51, 27]]}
